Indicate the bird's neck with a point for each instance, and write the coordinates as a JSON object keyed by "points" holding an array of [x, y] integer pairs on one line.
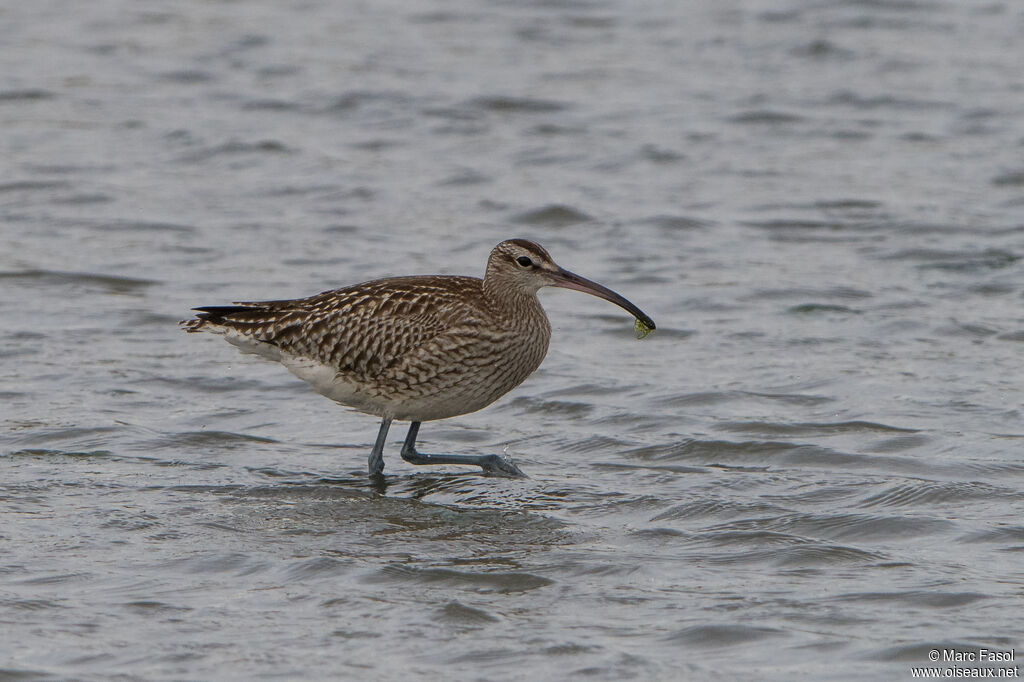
{"points": [[512, 302]]}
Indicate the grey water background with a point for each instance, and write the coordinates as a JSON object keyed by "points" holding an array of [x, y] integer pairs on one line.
{"points": [[812, 469]]}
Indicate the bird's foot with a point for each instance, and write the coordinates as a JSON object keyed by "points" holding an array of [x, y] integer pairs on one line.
{"points": [[496, 465], [493, 465]]}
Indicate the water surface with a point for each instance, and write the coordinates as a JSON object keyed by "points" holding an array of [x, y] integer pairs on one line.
{"points": [[813, 468]]}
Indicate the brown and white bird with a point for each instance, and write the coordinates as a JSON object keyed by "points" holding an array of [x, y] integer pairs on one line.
{"points": [[414, 348]]}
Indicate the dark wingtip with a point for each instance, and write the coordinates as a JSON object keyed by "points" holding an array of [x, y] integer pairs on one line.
{"points": [[214, 314], [217, 313]]}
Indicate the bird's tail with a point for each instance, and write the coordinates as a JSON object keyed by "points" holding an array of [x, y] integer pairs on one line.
{"points": [[251, 327]]}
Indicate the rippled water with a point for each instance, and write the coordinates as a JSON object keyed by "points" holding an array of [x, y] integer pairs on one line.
{"points": [[814, 468]]}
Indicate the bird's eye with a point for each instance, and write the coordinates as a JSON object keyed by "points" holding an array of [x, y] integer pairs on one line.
{"points": [[524, 261]]}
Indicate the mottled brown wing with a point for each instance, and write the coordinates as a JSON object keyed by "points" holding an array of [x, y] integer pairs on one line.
{"points": [[361, 330]]}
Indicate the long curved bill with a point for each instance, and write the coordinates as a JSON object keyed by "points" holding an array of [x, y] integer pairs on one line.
{"points": [[570, 280]]}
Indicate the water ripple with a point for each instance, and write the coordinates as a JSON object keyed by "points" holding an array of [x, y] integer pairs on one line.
{"points": [[113, 284], [555, 215], [502, 582], [457, 613], [324, 566], [808, 429], [205, 439], [933, 493], [516, 105], [957, 261], [722, 635], [845, 526], [934, 600], [716, 509]]}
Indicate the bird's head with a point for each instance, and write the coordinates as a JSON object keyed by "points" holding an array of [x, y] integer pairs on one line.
{"points": [[527, 267]]}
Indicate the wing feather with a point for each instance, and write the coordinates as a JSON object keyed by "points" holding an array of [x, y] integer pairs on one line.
{"points": [[363, 330]]}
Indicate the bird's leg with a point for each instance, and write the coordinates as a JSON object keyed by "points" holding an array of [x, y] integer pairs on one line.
{"points": [[491, 464], [376, 460]]}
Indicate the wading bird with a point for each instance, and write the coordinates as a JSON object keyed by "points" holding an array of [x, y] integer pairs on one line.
{"points": [[415, 348]]}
